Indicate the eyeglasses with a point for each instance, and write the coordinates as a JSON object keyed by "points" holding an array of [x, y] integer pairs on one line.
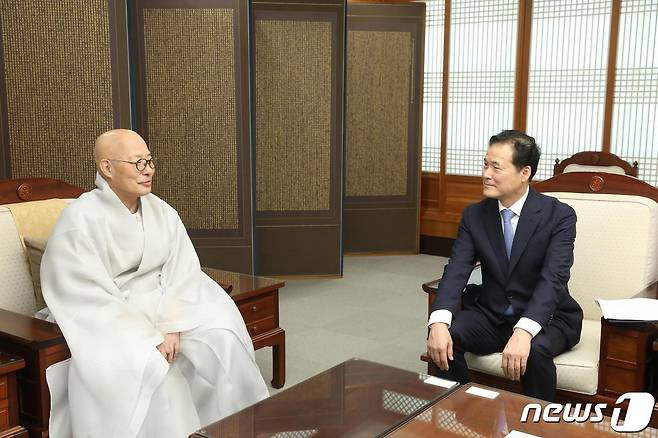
{"points": [[139, 164]]}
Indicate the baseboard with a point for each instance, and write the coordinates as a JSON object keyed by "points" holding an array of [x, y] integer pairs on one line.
{"points": [[438, 246]]}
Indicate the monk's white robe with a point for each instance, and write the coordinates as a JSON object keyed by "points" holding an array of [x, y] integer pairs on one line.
{"points": [[115, 286]]}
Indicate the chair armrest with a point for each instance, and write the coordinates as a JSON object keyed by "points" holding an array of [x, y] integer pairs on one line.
{"points": [[650, 291], [431, 286], [475, 278], [26, 330], [216, 275]]}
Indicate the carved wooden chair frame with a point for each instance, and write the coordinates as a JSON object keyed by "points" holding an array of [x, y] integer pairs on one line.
{"points": [[590, 158]]}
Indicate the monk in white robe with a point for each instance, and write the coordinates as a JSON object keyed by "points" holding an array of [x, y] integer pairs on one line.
{"points": [[158, 348]]}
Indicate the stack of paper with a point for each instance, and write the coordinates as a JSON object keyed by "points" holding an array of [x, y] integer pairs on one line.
{"points": [[632, 309]]}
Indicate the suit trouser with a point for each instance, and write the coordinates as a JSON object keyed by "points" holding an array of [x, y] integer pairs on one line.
{"points": [[482, 333]]}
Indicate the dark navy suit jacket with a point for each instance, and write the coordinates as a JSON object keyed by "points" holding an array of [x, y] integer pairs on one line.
{"points": [[534, 280]]}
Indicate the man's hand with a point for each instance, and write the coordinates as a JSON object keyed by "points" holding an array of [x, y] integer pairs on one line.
{"points": [[170, 347], [439, 345], [515, 354]]}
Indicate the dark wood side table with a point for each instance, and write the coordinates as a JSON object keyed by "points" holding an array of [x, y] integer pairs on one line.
{"points": [[41, 344], [625, 357], [9, 426], [257, 299]]}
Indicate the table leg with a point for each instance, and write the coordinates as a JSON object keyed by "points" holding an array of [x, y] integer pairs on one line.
{"points": [[279, 360]]}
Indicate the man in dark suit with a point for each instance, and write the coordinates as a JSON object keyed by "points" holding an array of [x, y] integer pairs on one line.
{"points": [[524, 241]]}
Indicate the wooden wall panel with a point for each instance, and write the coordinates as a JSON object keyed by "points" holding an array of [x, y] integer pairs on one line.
{"points": [[298, 126], [442, 207], [63, 81], [385, 49], [193, 111]]}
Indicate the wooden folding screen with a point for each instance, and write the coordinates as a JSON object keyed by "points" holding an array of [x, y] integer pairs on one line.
{"points": [[385, 47], [192, 89], [63, 81], [298, 117]]}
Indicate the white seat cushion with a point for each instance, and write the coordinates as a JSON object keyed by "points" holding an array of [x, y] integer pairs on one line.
{"points": [[16, 291], [577, 369]]}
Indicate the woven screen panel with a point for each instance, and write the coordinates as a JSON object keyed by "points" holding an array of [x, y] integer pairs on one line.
{"points": [[378, 81], [293, 115], [190, 86], [58, 78]]}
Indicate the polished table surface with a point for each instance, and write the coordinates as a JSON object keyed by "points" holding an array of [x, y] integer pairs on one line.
{"points": [[243, 285], [357, 398], [466, 415]]}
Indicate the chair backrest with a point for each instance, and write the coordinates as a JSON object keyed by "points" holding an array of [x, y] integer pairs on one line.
{"points": [[16, 289], [591, 161], [616, 248]]}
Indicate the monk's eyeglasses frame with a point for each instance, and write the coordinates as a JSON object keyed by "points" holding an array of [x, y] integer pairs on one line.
{"points": [[139, 164]]}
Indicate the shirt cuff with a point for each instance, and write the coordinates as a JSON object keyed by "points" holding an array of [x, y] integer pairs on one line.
{"points": [[528, 325], [443, 315]]}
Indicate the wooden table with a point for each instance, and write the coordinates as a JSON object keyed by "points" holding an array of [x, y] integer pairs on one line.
{"points": [[257, 299], [40, 344], [357, 398], [9, 426], [463, 414]]}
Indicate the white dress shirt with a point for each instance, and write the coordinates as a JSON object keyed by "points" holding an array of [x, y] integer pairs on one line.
{"points": [[527, 324]]}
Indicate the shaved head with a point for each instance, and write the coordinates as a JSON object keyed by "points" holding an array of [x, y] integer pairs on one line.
{"points": [[116, 153], [114, 143]]}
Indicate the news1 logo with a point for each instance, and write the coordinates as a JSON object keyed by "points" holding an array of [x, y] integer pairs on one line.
{"points": [[638, 414]]}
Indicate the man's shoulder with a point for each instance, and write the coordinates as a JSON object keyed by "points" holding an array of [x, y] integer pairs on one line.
{"points": [[478, 207], [558, 207]]}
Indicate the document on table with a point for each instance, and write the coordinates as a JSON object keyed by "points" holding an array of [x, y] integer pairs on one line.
{"points": [[436, 381], [632, 309], [481, 392], [518, 434]]}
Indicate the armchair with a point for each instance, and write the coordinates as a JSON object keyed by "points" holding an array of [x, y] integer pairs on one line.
{"points": [[39, 343], [616, 256]]}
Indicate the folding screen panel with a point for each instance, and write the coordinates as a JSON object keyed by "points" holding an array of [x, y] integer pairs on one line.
{"points": [[63, 81], [299, 68], [192, 79], [383, 124]]}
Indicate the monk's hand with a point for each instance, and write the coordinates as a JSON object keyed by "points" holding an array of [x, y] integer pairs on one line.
{"points": [[515, 354], [439, 345], [170, 348]]}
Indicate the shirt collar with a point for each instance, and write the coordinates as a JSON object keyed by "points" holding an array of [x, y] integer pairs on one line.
{"points": [[518, 205]]}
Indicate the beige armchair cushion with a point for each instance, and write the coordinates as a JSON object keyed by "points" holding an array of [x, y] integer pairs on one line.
{"points": [[616, 249], [37, 218], [586, 168], [577, 369], [32, 221], [35, 247]]}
